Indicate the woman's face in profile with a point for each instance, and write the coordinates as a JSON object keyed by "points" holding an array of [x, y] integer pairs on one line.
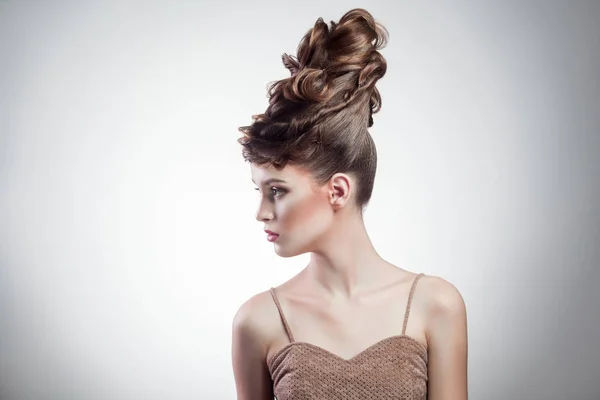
{"points": [[291, 206]]}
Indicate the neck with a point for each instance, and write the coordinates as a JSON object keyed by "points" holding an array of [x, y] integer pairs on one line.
{"points": [[345, 262]]}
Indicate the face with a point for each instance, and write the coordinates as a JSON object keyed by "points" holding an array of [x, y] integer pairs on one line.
{"points": [[292, 206]]}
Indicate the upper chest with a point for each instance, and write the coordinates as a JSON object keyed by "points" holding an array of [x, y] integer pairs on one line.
{"points": [[344, 328]]}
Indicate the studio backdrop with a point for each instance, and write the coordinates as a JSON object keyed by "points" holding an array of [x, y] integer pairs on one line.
{"points": [[128, 237]]}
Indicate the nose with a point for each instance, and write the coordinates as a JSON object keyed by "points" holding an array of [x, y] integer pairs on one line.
{"points": [[264, 212]]}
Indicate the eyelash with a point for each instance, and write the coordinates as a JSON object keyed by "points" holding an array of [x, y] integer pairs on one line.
{"points": [[281, 191]]}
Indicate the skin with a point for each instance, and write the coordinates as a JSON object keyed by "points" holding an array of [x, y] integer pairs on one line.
{"points": [[346, 290]]}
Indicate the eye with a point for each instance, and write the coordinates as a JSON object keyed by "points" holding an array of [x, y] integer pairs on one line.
{"points": [[276, 192]]}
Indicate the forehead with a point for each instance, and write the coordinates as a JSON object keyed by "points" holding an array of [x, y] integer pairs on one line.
{"points": [[290, 174]]}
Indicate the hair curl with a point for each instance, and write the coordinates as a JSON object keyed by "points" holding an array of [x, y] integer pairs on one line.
{"points": [[318, 117]]}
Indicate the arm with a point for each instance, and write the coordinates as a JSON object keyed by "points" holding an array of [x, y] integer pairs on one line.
{"points": [[252, 379], [447, 339]]}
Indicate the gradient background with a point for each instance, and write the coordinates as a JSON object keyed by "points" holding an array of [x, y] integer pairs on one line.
{"points": [[127, 231]]}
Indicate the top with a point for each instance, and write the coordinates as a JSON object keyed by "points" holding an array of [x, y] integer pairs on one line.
{"points": [[393, 368]]}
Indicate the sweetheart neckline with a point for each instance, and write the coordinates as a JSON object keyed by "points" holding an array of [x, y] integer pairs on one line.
{"points": [[354, 357]]}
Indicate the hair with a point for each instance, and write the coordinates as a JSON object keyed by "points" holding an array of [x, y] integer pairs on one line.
{"points": [[318, 117]]}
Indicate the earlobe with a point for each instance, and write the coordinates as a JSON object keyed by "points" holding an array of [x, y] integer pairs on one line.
{"points": [[339, 204], [340, 188], [332, 199], [338, 199]]}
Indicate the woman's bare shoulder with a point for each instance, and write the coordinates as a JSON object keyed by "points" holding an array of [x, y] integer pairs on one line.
{"points": [[251, 335], [256, 314], [439, 299], [440, 294], [447, 340]]}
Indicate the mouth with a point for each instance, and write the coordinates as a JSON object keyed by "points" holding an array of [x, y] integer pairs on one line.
{"points": [[271, 236]]}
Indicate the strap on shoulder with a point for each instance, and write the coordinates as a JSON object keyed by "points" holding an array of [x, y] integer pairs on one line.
{"points": [[410, 296], [285, 324]]}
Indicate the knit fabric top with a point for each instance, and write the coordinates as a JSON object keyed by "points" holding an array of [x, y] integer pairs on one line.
{"points": [[393, 368]]}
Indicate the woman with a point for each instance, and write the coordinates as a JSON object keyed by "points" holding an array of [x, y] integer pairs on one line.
{"points": [[340, 328]]}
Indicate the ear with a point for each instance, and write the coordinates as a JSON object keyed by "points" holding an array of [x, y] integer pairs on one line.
{"points": [[339, 190]]}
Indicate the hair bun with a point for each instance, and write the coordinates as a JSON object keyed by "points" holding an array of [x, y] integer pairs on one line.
{"points": [[339, 59]]}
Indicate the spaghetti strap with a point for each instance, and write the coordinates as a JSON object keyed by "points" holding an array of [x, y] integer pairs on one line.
{"points": [[285, 324], [410, 295]]}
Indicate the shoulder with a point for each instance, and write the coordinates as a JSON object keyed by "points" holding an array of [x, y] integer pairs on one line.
{"points": [[252, 324], [254, 316], [259, 312], [442, 303], [440, 296], [447, 339]]}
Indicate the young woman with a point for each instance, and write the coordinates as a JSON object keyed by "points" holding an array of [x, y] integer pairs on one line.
{"points": [[350, 325]]}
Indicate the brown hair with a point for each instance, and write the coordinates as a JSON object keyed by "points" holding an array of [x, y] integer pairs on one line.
{"points": [[318, 117]]}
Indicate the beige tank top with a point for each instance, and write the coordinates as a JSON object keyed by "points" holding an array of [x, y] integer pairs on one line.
{"points": [[393, 368]]}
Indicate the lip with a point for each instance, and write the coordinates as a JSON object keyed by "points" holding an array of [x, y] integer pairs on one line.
{"points": [[271, 236]]}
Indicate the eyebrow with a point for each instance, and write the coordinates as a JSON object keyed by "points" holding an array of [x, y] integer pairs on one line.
{"points": [[271, 180]]}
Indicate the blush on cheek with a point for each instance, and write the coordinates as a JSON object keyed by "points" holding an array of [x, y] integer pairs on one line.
{"points": [[306, 216]]}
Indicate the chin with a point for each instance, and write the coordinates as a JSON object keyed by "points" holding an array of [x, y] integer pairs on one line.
{"points": [[284, 252]]}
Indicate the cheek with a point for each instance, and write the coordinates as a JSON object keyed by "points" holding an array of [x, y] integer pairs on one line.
{"points": [[307, 214]]}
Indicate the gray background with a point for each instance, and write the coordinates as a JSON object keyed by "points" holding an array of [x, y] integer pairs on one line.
{"points": [[127, 231]]}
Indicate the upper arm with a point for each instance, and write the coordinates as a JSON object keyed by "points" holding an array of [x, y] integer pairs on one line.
{"points": [[252, 378], [446, 330]]}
